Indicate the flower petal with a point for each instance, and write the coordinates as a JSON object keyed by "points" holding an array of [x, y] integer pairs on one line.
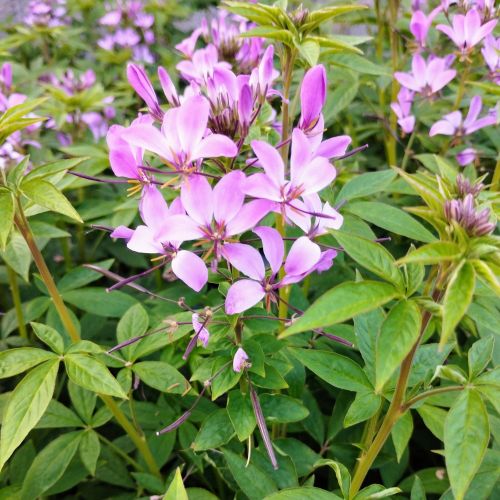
{"points": [[149, 138], [273, 246], [153, 208], [144, 241], [335, 146], [213, 146], [303, 255], [250, 214], [192, 118], [312, 95], [180, 228], [197, 199], [228, 196], [190, 269], [245, 258], [271, 161], [262, 186], [316, 175], [243, 295]]}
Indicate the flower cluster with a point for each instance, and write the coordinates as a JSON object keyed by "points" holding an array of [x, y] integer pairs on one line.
{"points": [[227, 183], [468, 28], [128, 26], [46, 13], [14, 148]]}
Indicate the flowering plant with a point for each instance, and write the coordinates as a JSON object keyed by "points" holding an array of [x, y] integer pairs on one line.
{"points": [[297, 256]]}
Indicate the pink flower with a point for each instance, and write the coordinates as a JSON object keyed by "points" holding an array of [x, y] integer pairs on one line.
{"points": [[240, 360], [182, 142], [215, 216], [303, 258], [467, 31], [200, 330], [151, 238], [491, 54], [402, 109], [201, 66], [420, 24], [426, 77], [312, 97], [308, 174], [140, 82], [453, 123], [466, 156]]}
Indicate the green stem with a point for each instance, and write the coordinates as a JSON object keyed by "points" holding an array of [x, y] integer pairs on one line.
{"points": [[16, 299], [121, 453], [461, 87], [406, 156], [429, 393], [396, 410], [139, 441], [25, 230], [495, 182]]}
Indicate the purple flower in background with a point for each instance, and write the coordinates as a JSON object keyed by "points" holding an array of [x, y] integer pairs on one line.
{"points": [[216, 215], [454, 124], [303, 258], [182, 142], [308, 174], [467, 31], [427, 77], [402, 109], [150, 238], [240, 360], [140, 82], [6, 77], [465, 215], [201, 66], [420, 24], [50, 13], [200, 330], [491, 55], [466, 156], [262, 78]]}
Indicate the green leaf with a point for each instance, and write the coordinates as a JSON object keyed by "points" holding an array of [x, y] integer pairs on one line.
{"points": [[97, 301], [466, 435], [17, 173], [433, 253], [341, 97], [365, 184], [401, 434], [341, 303], [270, 33], [176, 490], [26, 405], [360, 64], [83, 400], [49, 336], [396, 337], [15, 361], [303, 493], [17, 255], [57, 415], [226, 380], [392, 219], [50, 464], [161, 376], [415, 274], [240, 411], [433, 418], [417, 490], [93, 375], [457, 299], [133, 323], [254, 482], [52, 168], [486, 273], [339, 371], [45, 194], [479, 356], [341, 473], [317, 17], [7, 219], [309, 50], [371, 255], [364, 406], [282, 409], [90, 449], [216, 430]]}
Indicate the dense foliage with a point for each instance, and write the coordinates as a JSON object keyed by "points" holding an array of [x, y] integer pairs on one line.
{"points": [[250, 250]]}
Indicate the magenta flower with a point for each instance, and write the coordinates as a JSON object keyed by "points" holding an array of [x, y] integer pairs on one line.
{"points": [[151, 238], [454, 124], [312, 97], [140, 82], [6, 77], [262, 78], [402, 109], [467, 31], [491, 54], [215, 216], [202, 333], [240, 360], [182, 142], [124, 158], [308, 174], [201, 66], [427, 77], [466, 156], [303, 258], [420, 24]]}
